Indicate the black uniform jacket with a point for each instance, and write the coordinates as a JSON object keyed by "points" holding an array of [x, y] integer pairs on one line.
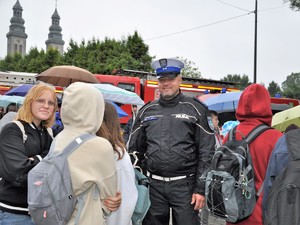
{"points": [[15, 163], [173, 138]]}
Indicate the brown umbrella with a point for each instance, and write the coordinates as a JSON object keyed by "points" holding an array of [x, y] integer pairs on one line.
{"points": [[65, 75]]}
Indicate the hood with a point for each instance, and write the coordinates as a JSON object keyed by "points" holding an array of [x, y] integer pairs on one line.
{"points": [[255, 105], [82, 108]]}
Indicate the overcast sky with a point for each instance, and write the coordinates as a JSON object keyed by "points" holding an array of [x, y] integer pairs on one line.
{"points": [[217, 35]]}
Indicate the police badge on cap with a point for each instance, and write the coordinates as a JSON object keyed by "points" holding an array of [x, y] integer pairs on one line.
{"points": [[167, 67]]}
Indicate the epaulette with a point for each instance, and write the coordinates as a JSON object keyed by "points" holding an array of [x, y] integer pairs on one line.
{"points": [[202, 103], [145, 105]]}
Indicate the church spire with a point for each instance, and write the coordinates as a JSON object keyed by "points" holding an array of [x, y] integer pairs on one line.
{"points": [[16, 37], [55, 37]]}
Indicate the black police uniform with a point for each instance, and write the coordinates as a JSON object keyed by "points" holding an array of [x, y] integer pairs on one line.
{"points": [[175, 146]]}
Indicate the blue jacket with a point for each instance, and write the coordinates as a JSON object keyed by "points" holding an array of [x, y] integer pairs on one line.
{"points": [[278, 161]]}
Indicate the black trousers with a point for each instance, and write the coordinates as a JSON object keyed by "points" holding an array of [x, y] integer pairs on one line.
{"points": [[176, 195]]}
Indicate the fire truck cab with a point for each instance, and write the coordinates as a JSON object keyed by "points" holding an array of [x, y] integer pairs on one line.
{"points": [[145, 85]]}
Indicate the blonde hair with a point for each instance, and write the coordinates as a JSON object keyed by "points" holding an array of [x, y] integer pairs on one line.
{"points": [[25, 113]]}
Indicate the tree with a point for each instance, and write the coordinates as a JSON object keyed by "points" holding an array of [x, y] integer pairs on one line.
{"points": [[33, 62], [189, 69], [138, 51], [291, 86], [274, 89], [294, 4], [110, 54], [94, 55], [241, 81]]}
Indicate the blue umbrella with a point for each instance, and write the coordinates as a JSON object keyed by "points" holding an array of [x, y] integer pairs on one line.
{"points": [[20, 90], [225, 102], [121, 112]]}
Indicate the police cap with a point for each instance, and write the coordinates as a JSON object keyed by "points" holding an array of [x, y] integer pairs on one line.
{"points": [[167, 67]]}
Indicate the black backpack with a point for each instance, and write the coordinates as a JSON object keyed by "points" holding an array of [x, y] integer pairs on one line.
{"points": [[283, 202], [229, 184]]}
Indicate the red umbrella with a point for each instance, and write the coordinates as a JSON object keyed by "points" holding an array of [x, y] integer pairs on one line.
{"points": [[65, 75]]}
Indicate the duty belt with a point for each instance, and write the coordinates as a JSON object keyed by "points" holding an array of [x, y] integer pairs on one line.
{"points": [[167, 179]]}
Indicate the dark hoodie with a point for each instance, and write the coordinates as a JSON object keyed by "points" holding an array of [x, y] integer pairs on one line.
{"points": [[254, 108]]}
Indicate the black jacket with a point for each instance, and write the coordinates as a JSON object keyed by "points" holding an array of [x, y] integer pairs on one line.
{"points": [[15, 163], [173, 138], [127, 130]]}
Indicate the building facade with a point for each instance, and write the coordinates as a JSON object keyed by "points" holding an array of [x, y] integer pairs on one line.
{"points": [[55, 37], [16, 37]]}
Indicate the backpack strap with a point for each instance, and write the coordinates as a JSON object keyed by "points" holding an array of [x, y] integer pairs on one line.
{"points": [[256, 131], [50, 132], [81, 201], [21, 126], [231, 135], [73, 145], [249, 138], [292, 142]]}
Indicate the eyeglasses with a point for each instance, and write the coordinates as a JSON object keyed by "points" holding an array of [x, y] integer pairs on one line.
{"points": [[41, 101]]}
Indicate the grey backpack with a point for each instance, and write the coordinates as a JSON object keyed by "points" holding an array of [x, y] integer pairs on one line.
{"points": [[229, 184], [283, 202], [51, 200]]}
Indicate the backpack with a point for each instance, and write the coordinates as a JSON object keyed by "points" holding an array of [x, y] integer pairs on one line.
{"points": [[229, 185], [143, 202], [283, 202], [51, 200], [21, 126]]}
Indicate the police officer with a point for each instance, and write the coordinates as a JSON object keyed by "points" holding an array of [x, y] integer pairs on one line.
{"points": [[175, 145]]}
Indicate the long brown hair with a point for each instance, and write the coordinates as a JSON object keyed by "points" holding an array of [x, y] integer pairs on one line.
{"points": [[111, 129]]}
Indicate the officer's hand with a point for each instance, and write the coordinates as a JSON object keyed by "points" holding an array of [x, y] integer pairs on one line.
{"points": [[198, 200], [113, 203]]}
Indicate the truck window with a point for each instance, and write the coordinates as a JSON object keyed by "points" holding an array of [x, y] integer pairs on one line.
{"points": [[128, 87]]}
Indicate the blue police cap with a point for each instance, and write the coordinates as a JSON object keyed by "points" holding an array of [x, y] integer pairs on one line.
{"points": [[167, 67]]}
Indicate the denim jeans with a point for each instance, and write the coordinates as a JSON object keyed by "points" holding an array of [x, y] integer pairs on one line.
{"points": [[7, 218]]}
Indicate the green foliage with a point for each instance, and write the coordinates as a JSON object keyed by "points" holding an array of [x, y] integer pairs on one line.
{"points": [[94, 55], [102, 57], [274, 89], [189, 69], [291, 86], [241, 81], [33, 62], [294, 4]]}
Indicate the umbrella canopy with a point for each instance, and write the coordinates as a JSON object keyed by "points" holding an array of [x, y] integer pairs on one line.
{"points": [[282, 120], [65, 75], [225, 102], [204, 97], [121, 112], [6, 99], [119, 95], [20, 90]]}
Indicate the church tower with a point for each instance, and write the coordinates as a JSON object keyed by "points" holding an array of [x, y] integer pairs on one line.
{"points": [[55, 37], [16, 37]]}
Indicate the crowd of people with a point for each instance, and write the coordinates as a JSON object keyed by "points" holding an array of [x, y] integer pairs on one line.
{"points": [[175, 138]]}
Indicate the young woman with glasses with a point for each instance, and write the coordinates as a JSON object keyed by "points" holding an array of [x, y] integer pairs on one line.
{"points": [[18, 155]]}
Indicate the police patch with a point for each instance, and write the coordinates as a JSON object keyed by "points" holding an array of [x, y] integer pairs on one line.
{"points": [[149, 118], [182, 116], [210, 123]]}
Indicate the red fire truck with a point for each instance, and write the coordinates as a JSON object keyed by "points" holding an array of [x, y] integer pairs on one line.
{"points": [[145, 85], [4, 89]]}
